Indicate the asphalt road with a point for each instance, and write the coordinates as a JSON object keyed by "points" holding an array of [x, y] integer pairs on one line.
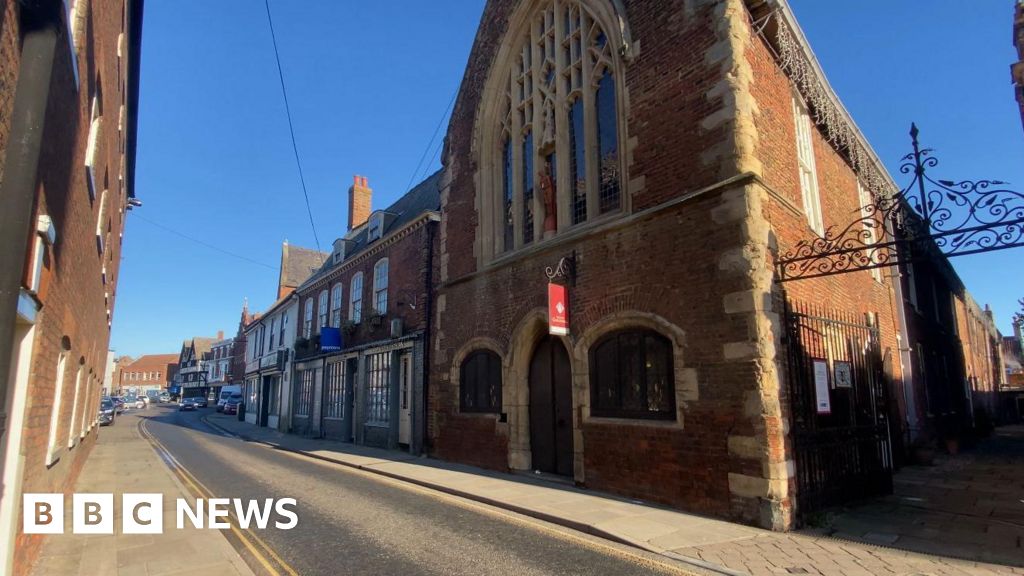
{"points": [[351, 522]]}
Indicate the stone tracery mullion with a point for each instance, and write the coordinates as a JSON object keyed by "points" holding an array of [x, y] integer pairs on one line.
{"points": [[561, 56]]}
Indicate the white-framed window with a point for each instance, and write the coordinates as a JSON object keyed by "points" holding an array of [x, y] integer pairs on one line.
{"points": [[336, 305], [307, 319], [554, 139], [95, 134], [273, 332], [74, 407], [378, 376], [376, 227], [380, 286], [322, 310], [101, 228], [284, 322], [805, 161], [355, 303], [53, 444], [868, 215], [335, 397]]}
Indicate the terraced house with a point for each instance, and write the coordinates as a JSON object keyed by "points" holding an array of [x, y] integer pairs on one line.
{"points": [[69, 90], [652, 160], [363, 320]]}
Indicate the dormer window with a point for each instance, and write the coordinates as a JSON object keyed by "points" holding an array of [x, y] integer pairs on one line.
{"points": [[376, 227]]}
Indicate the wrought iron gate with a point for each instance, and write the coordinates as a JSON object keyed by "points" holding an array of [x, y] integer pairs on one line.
{"points": [[839, 408]]}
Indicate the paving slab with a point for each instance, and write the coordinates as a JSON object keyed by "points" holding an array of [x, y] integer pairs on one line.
{"points": [[123, 461], [723, 546]]}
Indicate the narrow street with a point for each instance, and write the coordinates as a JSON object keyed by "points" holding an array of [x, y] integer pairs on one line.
{"points": [[350, 522]]}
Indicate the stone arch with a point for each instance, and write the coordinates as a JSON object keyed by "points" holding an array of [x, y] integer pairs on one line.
{"points": [[467, 348], [685, 378], [516, 389]]}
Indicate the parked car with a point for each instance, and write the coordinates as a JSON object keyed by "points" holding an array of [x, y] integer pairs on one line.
{"points": [[139, 403], [231, 404], [165, 397], [187, 404], [118, 404], [225, 393], [107, 412]]}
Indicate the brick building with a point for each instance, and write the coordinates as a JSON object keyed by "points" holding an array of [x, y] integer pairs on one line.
{"points": [[671, 150], [219, 364], [363, 317], [69, 74], [147, 372], [984, 368], [269, 338]]}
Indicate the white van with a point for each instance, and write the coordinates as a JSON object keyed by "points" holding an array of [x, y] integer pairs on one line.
{"points": [[225, 393]]}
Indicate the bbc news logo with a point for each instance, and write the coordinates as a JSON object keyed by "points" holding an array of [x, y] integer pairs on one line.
{"points": [[144, 513]]}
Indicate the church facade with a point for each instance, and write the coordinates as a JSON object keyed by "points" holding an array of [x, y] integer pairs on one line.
{"points": [[652, 160]]}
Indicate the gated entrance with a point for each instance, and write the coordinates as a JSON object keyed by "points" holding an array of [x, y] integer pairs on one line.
{"points": [[839, 408]]}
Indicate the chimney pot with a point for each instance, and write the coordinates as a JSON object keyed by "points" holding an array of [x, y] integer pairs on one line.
{"points": [[359, 198], [220, 334]]}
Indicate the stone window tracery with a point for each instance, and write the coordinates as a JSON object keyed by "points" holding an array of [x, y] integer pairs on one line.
{"points": [[555, 157]]}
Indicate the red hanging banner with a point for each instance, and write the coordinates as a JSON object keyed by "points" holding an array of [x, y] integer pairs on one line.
{"points": [[558, 309]]}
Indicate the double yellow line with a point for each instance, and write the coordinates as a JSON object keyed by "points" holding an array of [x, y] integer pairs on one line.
{"points": [[260, 550]]}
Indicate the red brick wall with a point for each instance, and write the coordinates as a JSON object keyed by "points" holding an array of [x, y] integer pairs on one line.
{"points": [[10, 57], [407, 266], [75, 296], [857, 292], [670, 263], [666, 264]]}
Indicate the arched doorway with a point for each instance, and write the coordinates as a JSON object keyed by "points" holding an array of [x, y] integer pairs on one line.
{"points": [[551, 408]]}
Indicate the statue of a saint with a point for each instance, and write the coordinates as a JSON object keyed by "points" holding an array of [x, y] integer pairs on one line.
{"points": [[547, 187]]}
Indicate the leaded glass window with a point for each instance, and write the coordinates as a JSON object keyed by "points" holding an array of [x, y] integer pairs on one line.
{"points": [[556, 148], [631, 376]]}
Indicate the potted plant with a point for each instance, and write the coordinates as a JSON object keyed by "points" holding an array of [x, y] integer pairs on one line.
{"points": [[349, 327], [374, 319]]}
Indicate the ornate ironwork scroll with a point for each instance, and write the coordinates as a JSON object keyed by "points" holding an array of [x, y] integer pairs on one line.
{"points": [[953, 218]]}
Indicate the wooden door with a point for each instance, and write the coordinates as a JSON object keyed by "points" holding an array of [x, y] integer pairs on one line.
{"points": [[405, 400], [551, 408]]}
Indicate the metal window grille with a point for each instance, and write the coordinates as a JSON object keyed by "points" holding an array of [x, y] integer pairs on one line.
{"points": [[378, 370], [335, 390]]}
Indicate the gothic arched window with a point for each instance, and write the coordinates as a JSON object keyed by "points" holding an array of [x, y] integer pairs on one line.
{"points": [[555, 147]]}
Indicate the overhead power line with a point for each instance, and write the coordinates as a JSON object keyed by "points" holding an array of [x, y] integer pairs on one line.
{"points": [[135, 214], [412, 179], [291, 128]]}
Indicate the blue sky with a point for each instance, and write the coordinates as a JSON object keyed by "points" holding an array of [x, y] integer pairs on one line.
{"points": [[368, 83]]}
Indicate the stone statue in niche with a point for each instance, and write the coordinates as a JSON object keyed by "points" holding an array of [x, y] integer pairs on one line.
{"points": [[547, 187], [548, 135]]}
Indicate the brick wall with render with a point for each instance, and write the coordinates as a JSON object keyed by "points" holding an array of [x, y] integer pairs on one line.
{"points": [[714, 193], [79, 280]]}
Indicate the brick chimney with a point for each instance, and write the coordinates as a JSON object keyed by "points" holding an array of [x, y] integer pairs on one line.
{"points": [[358, 202], [220, 334]]}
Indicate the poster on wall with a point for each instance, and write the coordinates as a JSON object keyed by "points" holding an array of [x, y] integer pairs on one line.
{"points": [[844, 374], [821, 399]]}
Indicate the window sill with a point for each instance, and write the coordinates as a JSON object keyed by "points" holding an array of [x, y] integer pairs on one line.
{"points": [[569, 234], [674, 424]]}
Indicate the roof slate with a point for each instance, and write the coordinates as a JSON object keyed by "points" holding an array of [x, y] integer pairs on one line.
{"points": [[423, 197], [298, 264]]}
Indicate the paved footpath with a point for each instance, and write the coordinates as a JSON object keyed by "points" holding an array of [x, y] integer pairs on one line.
{"points": [[123, 461], [712, 544]]}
